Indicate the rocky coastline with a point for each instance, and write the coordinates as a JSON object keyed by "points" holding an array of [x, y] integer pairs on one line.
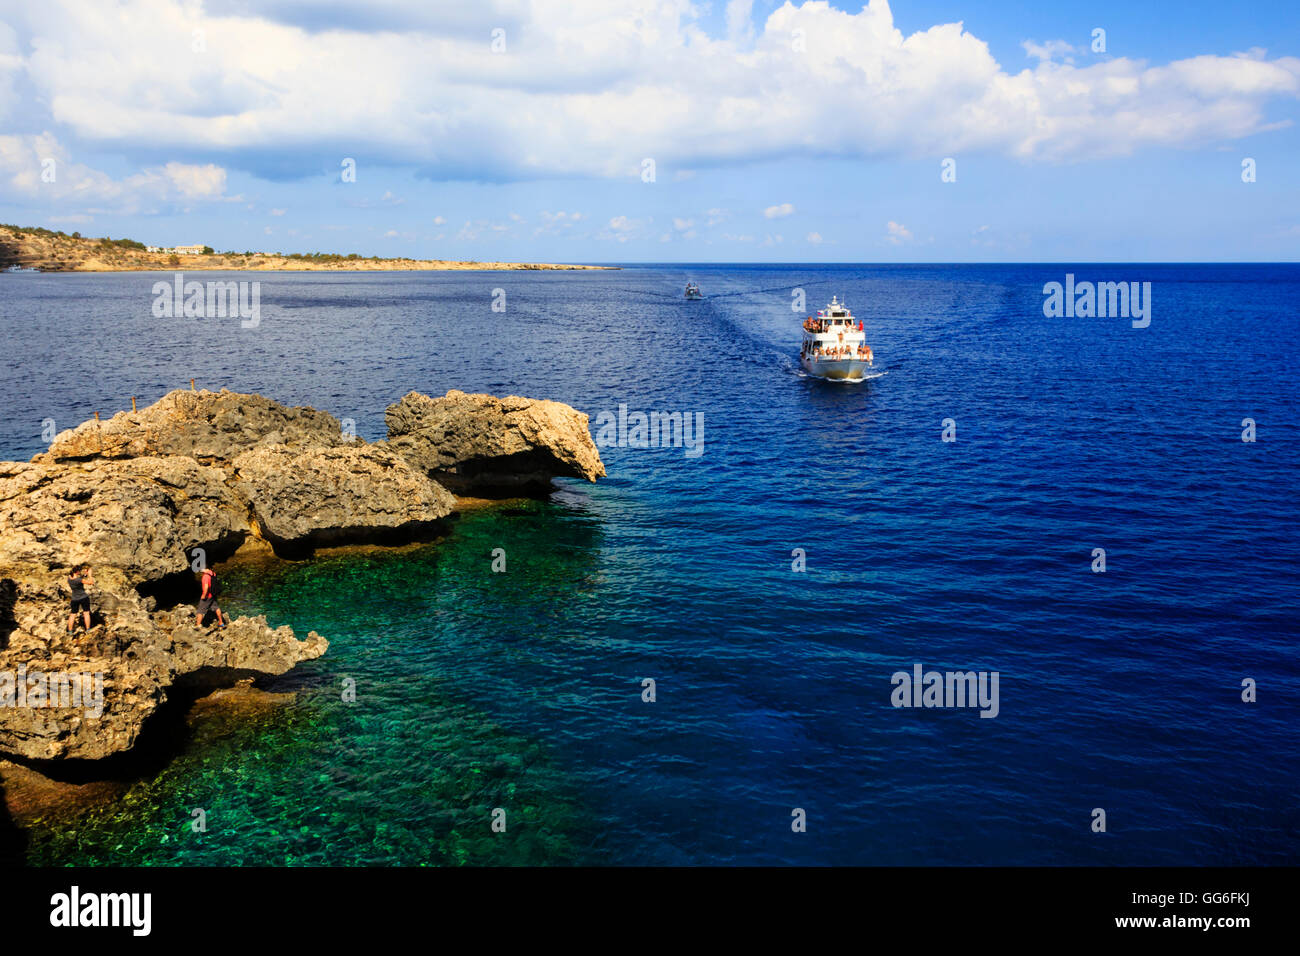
{"points": [[147, 497], [50, 251]]}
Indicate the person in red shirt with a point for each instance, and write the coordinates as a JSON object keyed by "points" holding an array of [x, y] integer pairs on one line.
{"points": [[208, 598]]}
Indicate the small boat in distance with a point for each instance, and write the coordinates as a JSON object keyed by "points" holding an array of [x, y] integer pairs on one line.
{"points": [[693, 291], [16, 268], [834, 344]]}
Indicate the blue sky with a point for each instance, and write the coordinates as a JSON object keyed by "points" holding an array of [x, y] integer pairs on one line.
{"points": [[806, 132]]}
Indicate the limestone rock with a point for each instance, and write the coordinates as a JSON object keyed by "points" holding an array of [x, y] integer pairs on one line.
{"points": [[348, 493], [479, 442], [135, 495], [139, 517], [203, 425], [133, 657]]}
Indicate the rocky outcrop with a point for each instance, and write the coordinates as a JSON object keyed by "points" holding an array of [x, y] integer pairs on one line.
{"points": [[207, 426], [135, 518], [336, 494], [122, 670], [141, 496], [483, 443], [136, 522]]}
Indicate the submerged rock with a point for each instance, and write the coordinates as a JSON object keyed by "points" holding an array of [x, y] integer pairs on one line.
{"points": [[197, 475], [481, 443]]}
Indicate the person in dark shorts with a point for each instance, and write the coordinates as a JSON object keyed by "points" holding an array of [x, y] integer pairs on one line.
{"points": [[78, 579], [209, 588]]}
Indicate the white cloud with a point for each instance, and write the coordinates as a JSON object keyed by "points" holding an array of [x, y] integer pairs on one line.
{"points": [[196, 182], [25, 160], [438, 220], [815, 238], [278, 212], [588, 88], [481, 229], [685, 228], [624, 228], [776, 212], [740, 28], [1051, 50], [558, 223], [898, 233]]}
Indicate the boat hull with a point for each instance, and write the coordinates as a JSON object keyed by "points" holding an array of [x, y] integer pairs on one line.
{"points": [[847, 370]]}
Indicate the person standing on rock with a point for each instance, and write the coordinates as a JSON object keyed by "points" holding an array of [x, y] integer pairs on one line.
{"points": [[78, 579], [209, 586]]}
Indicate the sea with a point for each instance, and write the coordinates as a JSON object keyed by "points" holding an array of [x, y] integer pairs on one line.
{"points": [[699, 659]]}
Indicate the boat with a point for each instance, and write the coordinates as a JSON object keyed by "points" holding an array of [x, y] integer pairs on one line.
{"points": [[834, 344], [17, 268], [693, 291]]}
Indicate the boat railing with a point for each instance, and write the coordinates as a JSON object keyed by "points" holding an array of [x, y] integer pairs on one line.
{"points": [[840, 353]]}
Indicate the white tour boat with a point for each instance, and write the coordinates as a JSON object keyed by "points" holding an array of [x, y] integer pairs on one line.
{"points": [[834, 344]]}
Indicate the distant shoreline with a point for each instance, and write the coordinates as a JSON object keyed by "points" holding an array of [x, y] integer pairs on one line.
{"points": [[51, 251], [429, 266]]}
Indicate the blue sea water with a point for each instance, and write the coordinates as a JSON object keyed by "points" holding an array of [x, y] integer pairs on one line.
{"points": [[1119, 690]]}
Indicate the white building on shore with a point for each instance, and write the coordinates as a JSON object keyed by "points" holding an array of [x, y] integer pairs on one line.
{"points": [[177, 250]]}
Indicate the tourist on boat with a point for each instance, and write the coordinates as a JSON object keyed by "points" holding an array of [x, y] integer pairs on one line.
{"points": [[78, 579], [210, 587]]}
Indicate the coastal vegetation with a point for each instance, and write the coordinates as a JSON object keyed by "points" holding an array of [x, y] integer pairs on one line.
{"points": [[52, 250]]}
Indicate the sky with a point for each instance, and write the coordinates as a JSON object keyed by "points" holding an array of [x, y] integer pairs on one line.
{"points": [[660, 130]]}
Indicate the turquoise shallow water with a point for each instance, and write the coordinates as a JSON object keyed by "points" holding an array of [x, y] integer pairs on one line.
{"points": [[407, 773], [522, 690]]}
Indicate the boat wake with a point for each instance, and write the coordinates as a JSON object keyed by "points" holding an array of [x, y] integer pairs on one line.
{"points": [[801, 373]]}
